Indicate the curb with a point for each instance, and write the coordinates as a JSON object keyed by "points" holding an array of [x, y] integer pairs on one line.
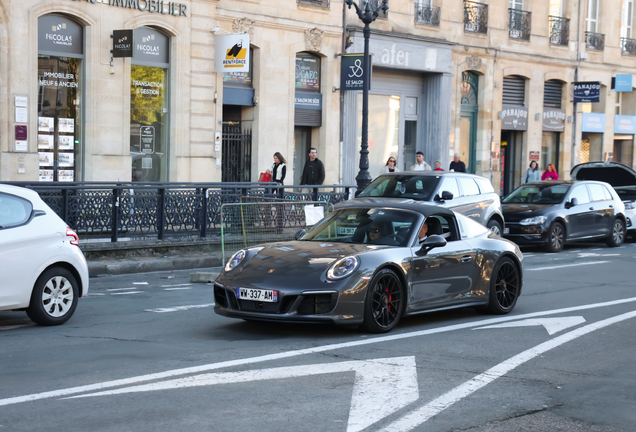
{"points": [[96, 268]]}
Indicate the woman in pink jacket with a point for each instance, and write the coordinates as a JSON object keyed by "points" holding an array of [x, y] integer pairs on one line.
{"points": [[550, 173]]}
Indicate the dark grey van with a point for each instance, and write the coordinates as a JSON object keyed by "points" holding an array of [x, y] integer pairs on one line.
{"points": [[467, 194]]}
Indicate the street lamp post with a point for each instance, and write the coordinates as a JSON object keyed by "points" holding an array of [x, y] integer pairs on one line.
{"points": [[367, 14]]}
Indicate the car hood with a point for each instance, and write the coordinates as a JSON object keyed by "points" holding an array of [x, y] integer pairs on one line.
{"points": [[298, 262], [518, 212], [613, 173]]}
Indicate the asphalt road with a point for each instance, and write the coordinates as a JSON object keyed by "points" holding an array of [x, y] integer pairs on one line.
{"points": [[145, 352]]}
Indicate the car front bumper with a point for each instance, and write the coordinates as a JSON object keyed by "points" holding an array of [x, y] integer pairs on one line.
{"points": [[306, 306], [526, 234]]}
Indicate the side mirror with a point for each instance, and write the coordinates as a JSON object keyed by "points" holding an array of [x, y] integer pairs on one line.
{"points": [[446, 195], [299, 234], [573, 202], [431, 242]]}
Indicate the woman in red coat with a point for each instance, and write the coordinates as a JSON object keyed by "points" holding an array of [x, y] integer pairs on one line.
{"points": [[550, 173]]}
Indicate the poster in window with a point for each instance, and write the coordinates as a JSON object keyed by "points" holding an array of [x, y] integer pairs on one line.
{"points": [[46, 158], [66, 125], [65, 142], [307, 72], [45, 142], [66, 159], [46, 124], [46, 175], [65, 175]]}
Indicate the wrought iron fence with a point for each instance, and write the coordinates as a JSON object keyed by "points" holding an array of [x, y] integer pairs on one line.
{"points": [[559, 30], [594, 41], [475, 17], [519, 24], [317, 3], [141, 211], [428, 15], [628, 46], [237, 154]]}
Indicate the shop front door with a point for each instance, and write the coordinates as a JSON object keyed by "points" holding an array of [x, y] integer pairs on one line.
{"points": [[302, 144]]}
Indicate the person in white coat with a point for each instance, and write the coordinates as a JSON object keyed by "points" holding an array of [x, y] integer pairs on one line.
{"points": [[390, 166], [420, 165]]}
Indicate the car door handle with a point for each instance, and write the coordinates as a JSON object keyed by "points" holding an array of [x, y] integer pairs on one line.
{"points": [[611, 206], [467, 258], [591, 208]]}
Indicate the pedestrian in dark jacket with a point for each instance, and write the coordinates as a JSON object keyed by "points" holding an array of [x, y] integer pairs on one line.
{"points": [[457, 165], [314, 171]]}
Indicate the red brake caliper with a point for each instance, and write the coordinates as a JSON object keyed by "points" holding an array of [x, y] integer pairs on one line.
{"points": [[389, 306]]}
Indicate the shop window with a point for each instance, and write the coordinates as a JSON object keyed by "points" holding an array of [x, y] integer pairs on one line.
{"points": [[149, 113], [59, 130]]}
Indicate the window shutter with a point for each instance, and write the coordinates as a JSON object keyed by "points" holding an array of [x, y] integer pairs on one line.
{"points": [[552, 94], [514, 90]]}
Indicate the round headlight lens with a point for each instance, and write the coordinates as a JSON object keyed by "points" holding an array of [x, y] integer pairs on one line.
{"points": [[343, 267], [236, 259]]}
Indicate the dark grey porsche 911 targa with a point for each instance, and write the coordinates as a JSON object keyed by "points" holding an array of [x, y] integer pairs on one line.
{"points": [[371, 262]]}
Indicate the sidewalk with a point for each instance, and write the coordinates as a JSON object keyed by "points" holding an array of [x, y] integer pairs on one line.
{"points": [[140, 264]]}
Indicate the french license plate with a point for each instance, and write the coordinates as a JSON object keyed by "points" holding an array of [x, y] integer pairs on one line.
{"points": [[506, 230], [254, 294]]}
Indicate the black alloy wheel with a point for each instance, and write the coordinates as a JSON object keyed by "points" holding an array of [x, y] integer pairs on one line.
{"points": [[494, 226], [617, 236], [383, 307], [556, 238], [505, 286]]}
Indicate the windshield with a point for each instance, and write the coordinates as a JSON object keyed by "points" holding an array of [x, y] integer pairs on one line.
{"points": [[365, 226], [415, 187], [538, 194]]}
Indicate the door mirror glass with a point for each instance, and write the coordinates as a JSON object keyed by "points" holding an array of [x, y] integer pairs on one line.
{"points": [[431, 242], [299, 234]]}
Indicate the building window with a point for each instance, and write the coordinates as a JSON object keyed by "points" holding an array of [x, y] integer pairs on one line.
{"points": [[592, 16], [149, 113], [627, 19], [60, 83]]}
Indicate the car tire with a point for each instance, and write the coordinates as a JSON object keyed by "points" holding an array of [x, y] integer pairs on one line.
{"points": [[384, 303], [54, 297], [505, 287], [556, 238], [617, 235], [495, 227]]}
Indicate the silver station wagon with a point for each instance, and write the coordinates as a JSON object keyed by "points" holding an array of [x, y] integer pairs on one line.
{"points": [[468, 194]]}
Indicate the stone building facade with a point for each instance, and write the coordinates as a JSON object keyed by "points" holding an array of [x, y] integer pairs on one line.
{"points": [[489, 80]]}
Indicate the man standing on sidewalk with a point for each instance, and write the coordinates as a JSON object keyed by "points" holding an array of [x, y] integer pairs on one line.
{"points": [[314, 171], [420, 165], [457, 165]]}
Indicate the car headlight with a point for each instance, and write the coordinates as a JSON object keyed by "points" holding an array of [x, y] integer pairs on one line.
{"points": [[538, 220], [236, 259], [343, 268], [630, 205]]}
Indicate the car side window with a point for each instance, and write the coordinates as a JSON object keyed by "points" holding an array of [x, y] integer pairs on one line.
{"points": [[608, 194], [449, 184], [442, 225], [468, 185], [14, 211], [484, 185], [580, 193], [597, 192]]}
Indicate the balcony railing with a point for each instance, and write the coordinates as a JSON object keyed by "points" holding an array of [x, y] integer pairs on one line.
{"points": [[594, 41], [428, 15], [317, 3], [475, 17], [519, 23], [375, 4], [559, 30], [628, 46]]}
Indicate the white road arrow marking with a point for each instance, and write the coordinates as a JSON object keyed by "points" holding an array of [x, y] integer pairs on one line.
{"points": [[381, 387], [552, 325]]}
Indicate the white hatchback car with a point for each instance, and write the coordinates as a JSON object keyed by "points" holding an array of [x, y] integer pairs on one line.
{"points": [[42, 268]]}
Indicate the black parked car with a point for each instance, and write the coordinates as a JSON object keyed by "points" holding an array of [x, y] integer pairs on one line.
{"points": [[621, 177], [552, 213]]}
